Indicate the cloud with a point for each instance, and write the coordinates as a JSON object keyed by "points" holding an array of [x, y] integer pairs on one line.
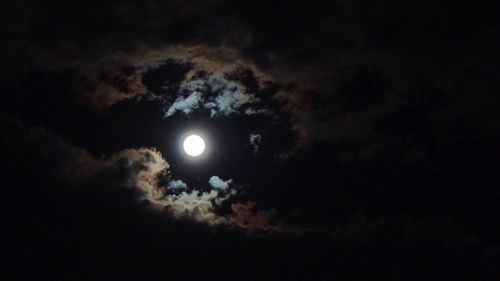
{"points": [[144, 173], [196, 205], [244, 216], [229, 102], [115, 84], [144, 167], [263, 111], [335, 35], [177, 184], [218, 94], [218, 183], [59, 156], [254, 140], [121, 76], [185, 104]]}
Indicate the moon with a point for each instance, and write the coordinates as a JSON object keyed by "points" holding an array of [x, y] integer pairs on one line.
{"points": [[194, 145]]}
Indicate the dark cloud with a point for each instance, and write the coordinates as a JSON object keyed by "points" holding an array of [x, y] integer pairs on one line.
{"points": [[255, 221], [63, 159], [254, 140], [353, 56]]}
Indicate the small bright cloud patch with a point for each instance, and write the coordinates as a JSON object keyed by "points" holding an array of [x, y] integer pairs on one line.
{"points": [[218, 183]]}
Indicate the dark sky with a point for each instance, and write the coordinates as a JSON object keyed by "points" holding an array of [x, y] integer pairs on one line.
{"points": [[346, 140]]}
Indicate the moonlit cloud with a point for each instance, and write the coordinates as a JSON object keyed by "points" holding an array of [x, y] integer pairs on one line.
{"points": [[185, 104], [229, 102], [196, 205], [218, 183], [177, 184], [222, 97]]}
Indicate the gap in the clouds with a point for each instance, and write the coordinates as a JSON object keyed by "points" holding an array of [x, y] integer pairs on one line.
{"points": [[229, 153], [133, 124]]}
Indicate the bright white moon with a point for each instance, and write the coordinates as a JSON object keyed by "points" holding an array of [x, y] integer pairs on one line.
{"points": [[194, 145]]}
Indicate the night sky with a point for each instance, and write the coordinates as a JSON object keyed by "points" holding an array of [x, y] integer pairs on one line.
{"points": [[345, 140]]}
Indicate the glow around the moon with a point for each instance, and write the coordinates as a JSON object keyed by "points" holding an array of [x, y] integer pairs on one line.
{"points": [[194, 145]]}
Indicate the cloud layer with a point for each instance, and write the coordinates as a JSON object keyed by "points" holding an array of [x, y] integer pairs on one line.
{"points": [[144, 173], [221, 93]]}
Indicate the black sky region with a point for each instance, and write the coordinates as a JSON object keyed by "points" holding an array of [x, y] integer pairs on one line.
{"points": [[377, 156]]}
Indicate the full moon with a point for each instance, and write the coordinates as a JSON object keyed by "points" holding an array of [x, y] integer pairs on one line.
{"points": [[194, 145]]}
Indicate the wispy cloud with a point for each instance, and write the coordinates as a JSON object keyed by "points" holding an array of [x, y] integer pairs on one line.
{"points": [[254, 140]]}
